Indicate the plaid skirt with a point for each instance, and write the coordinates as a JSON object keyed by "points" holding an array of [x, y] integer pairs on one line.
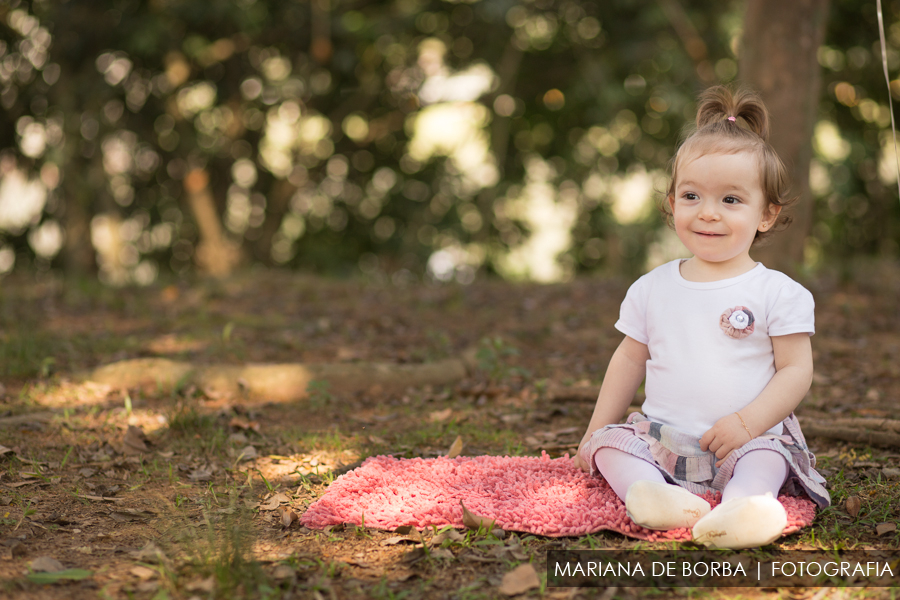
{"points": [[681, 461]]}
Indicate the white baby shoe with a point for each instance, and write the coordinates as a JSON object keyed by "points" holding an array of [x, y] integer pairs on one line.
{"points": [[663, 506], [747, 522]]}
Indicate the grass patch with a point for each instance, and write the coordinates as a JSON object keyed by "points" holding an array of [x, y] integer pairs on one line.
{"points": [[190, 428]]}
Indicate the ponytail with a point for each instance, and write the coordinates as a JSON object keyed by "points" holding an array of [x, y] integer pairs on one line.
{"points": [[720, 108]]}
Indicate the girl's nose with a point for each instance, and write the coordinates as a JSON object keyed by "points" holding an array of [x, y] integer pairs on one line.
{"points": [[709, 211]]}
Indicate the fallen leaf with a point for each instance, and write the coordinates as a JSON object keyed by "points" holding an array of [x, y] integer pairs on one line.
{"points": [[4, 450], [275, 501], [440, 415], [238, 438], [202, 474], [100, 498], [245, 424], [519, 580], [442, 553], [283, 572], [413, 556], [473, 521], [402, 575], [397, 539], [247, 453], [124, 515], [147, 586], [143, 573], [202, 585], [852, 505], [18, 484], [135, 442], [890, 473], [150, 553], [288, 517], [87, 472], [451, 534], [46, 564], [85, 550], [404, 529], [883, 528], [456, 447]]}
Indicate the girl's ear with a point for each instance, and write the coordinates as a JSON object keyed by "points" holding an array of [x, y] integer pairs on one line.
{"points": [[671, 200], [769, 217]]}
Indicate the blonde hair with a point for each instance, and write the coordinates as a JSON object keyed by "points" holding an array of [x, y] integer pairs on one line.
{"points": [[729, 122]]}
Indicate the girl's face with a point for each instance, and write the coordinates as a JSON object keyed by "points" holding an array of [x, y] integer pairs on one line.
{"points": [[718, 207]]}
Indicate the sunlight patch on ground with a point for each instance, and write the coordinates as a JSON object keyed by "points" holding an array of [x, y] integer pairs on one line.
{"points": [[286, 468], [69, 394]]}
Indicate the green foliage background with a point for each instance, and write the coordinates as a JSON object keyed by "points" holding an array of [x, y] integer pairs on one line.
{"points": [[90, 76]]}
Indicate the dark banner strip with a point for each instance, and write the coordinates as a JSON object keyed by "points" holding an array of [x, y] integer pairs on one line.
{"points": [[726, 568]]}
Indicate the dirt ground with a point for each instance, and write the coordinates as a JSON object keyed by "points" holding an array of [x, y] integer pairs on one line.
{"points": [[188, 494]]}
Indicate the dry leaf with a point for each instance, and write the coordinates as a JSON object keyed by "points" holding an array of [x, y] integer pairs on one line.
{"points": [[274, 502], [150, 553], [143, 573], [21, 483], [100, 498], [124, 515], [883, 528], [519, 580], [288, 517], [451, 534], [135, 441], [440, 415], [852, 505], [456, 447], [202, 585], [5, 450], [404, 529], [397, 539], [283, 572], [46, 564], [247, 453], [245, 424], [890, 473], [442, 553], [473, 521]]}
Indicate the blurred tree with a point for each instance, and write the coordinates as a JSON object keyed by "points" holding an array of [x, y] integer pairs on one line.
{"points": [[779, 58], [403, 139]]}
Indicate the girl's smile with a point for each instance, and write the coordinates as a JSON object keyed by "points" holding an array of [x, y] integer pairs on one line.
{"points": [[718, 206]]}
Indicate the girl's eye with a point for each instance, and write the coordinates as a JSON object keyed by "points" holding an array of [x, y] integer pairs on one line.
{"points": [[731, 200], [690, 196]]}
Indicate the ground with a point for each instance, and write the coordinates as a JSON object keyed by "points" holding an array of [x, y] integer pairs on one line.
{"points": [[199, 507]]}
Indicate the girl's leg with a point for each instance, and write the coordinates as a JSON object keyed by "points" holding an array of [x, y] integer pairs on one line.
{"points": [[750, 514], [755, 474], [621, 469], [650, 501]]}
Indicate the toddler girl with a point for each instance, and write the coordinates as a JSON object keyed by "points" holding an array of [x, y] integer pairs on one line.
{"points": [[724, 345]]}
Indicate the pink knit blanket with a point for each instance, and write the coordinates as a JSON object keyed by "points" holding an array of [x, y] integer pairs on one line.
{"points": [[544, 496]]}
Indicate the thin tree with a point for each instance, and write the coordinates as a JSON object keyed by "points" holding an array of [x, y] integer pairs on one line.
{"points": [[778, 58]]}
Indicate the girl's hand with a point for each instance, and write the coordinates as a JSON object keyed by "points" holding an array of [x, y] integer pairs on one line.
{"points": [[727, 435], [579, 462]]}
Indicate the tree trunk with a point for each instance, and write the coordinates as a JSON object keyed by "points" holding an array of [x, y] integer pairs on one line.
{"points": [[778, 59]]}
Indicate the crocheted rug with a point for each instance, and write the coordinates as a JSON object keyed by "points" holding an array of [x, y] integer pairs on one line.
{"points": [[544, 496]]}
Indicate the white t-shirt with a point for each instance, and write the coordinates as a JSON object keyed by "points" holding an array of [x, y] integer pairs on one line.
{"points": [[710, 342]]}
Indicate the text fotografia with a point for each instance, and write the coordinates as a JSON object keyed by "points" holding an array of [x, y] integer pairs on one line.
{"points": [[713, 568]]}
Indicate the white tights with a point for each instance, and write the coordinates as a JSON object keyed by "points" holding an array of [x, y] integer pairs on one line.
{"points": [[755, 473]]}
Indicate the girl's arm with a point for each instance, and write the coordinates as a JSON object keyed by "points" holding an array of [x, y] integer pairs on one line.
{"points": [[624, 375], [793, 376]]}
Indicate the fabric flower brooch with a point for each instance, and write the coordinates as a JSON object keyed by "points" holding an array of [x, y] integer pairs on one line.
{"points": [[737, 322]]}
